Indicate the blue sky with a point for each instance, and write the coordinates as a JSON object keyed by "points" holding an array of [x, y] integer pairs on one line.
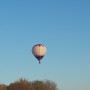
{"points": [[62, 26]]}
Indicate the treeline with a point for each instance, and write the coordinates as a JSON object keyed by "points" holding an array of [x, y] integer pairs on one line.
{"points": [[24, 84]]}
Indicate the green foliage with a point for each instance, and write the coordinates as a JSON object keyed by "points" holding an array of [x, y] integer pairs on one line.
{"points": [[23, 84]]}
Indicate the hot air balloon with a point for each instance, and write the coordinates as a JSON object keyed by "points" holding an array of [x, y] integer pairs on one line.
{"points": [[39, 51]]}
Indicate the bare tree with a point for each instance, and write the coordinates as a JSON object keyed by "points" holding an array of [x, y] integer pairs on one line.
{"points": [[3, 87], [50, 85], [38, 85], [22, 84], [44, 85]]}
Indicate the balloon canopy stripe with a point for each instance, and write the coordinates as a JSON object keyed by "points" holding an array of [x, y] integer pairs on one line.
{"points": [[39, 57]]}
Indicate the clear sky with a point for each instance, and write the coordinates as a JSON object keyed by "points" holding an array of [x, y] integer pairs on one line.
{"points": [[63, 26]]}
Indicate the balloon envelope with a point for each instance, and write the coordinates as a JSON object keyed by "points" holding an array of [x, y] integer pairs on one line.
{"points": [[39, 51]]}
